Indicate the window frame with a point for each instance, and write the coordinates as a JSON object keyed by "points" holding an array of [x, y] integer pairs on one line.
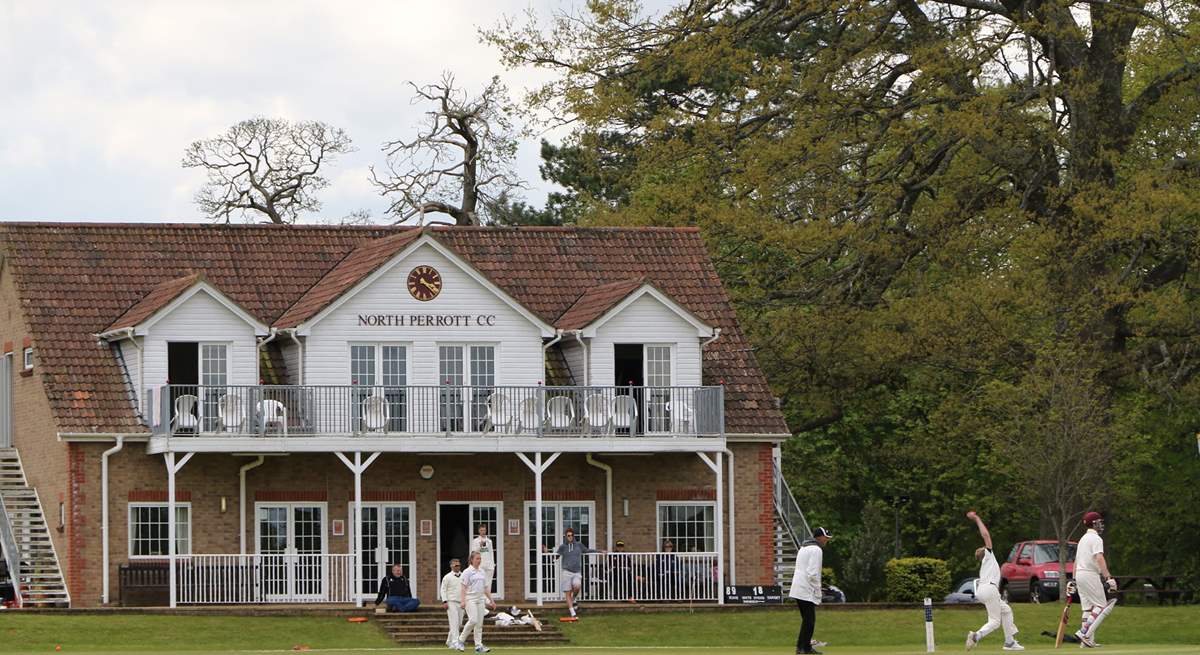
{"points": [[658, 523], [27, 358], [132, 506]]}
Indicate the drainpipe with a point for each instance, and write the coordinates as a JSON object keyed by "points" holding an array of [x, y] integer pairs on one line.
{"points": [[715, 335], [292, 333], [258, 360], [732, 524], [104, 513], [558, 337], [579, 338], [242, 501], [608, 508]]}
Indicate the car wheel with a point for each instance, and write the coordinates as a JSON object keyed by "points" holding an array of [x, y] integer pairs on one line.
{"points": [[1035, 591]]}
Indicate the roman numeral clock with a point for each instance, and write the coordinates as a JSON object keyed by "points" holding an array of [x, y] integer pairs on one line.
{"points": [[424, 283]]}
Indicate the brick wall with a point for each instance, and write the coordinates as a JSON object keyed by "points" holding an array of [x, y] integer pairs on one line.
{"points": [[45, 459], [209, 477]]}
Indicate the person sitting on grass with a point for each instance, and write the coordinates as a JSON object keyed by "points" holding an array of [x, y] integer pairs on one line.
{"points": [[395, 588]]}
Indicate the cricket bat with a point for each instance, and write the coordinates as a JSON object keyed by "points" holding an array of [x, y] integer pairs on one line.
{"points": [[1066, 615]]}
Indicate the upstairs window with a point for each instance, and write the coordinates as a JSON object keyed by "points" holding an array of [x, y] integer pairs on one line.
{"points": [[28, 358]]}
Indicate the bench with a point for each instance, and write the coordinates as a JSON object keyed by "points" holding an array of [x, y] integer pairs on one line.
{"points": [[144, 584]]}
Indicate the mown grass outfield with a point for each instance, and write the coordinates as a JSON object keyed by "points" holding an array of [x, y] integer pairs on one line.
{"points": [[1168, 630]]}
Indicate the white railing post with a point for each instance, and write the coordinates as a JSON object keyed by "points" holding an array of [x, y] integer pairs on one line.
{"points": [[537, 520]]}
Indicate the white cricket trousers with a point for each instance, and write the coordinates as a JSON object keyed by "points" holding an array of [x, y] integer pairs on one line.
{"points": [[476, 612], [454, 616], [490, 572], [1091, 591], [999, 613]]}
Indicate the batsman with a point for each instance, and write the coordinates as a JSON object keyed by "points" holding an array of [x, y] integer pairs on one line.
{"points": [[1091, 575], [987, 591]]}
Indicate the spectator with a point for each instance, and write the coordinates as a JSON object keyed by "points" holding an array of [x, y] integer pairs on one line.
{"points": [[570, 554], [396, 589], [622, 578], [667, 572]]}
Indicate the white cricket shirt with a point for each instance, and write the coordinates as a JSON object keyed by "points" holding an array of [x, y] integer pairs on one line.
{"points": [[486, 551], [1090, 545], [451, 588], [989, 570], [475, 581]]}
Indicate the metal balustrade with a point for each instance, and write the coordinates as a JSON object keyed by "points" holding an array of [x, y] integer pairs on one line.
{"points": [[344, 410], [639, 577], [788, 510], [240, 579]]}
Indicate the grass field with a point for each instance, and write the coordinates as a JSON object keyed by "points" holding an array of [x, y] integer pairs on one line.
{"points": [[1130, 630]]}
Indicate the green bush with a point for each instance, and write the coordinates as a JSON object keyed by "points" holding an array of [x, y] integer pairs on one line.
{"points": [[828, 578], [912, 579]]}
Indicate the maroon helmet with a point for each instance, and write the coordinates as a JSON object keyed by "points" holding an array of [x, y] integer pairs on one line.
{"points": [[1094, 520]]}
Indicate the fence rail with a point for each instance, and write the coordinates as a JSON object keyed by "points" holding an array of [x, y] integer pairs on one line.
{"points": [[316, 410], [239, 579], [640, 577]]}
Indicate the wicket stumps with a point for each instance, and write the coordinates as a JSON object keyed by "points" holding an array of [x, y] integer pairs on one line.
{"points": [[929, 625]]}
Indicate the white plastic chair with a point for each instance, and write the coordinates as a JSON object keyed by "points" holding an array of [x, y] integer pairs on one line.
{"points": [[597, 413], [531, 414], [560, 413], [500, 411], [232, 414], [624, 413], [273, 412], [185, 413], [375, 413], [681, 413]]}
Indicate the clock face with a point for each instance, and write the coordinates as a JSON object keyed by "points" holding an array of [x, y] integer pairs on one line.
{"points": [[424, 283]]}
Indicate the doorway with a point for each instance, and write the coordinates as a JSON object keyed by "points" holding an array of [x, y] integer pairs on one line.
{"points": [[457, 525], [387, 539], [556, 518], [291, 539]]}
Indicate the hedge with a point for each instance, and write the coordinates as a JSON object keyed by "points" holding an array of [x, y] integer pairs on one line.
{"points": [[912, 579]]}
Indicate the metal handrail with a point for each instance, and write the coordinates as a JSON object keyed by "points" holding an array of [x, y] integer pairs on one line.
{"points": [[446, 410], [12, 555], [789, 510]]}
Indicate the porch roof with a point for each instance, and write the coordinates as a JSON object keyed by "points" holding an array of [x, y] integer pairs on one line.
{"points": [[75, 279]]}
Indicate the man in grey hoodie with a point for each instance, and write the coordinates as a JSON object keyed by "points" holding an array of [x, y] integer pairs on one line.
{"points": [[570, 554]]}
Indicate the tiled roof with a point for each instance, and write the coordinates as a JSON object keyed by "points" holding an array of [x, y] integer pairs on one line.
{"points": [[74, 279], [356, 266], [593, 303], [160, 296]]}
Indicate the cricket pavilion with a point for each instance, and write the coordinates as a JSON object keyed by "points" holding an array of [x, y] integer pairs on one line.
{"points": [[228, 414]]}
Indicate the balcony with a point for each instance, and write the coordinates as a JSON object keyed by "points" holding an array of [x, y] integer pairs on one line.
{"points": [[412, 412]]}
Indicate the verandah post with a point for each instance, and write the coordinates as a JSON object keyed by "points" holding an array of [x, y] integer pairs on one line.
{"points": [[357, 588], [170, 460]]}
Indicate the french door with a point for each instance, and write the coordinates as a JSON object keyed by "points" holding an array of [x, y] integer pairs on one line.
{"points": [[468, 373], [291, 536], [387, 539], [658, 380], [556, 518]]}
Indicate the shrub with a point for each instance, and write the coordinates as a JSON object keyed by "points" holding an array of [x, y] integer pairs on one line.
{"points": [[828, 578], [912, 579]]}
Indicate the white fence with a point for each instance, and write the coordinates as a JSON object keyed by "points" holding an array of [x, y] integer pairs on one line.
{"points": [[641, 577], [237, 579]]}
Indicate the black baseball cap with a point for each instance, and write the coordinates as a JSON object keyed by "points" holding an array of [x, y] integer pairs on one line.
{"points": [[822, 532]]}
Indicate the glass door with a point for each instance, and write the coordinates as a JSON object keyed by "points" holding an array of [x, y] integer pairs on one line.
{"points": [[291, 539], [387, 539], [450, 372], [556, 518], [658, 392], [214, 376], [489, 514]]}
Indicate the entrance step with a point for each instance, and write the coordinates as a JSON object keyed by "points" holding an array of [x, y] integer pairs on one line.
{"points": [[429, 626]]}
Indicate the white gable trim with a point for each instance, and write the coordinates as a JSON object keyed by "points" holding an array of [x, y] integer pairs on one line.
{"points": [[305, 327], [702, 329], [201, 286]]}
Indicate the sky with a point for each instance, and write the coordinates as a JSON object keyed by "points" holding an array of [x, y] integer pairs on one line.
{"points": [[100, 99]]}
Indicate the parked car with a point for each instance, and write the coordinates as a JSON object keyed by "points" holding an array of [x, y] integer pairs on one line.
{"points": [[831, 594], [964, 592], [1031, 571], [7, 593]]}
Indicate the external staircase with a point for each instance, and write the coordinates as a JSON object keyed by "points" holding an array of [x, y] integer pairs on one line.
{"points": [[28, 549], [427, 626], [791, 530]]}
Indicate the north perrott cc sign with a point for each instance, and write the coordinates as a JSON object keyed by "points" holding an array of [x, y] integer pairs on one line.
{"points": [[424, 283]]}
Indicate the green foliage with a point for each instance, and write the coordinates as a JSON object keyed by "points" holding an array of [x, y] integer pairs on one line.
{"points": [[828, 577], [955, 269], [912, 579]]}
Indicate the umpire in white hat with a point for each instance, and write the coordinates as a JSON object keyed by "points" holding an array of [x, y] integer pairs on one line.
{"points": [[806, 586]]}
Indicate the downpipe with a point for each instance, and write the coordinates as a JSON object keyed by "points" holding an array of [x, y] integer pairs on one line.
{"points": [[104, 515], [242, 501], [608, 531]]}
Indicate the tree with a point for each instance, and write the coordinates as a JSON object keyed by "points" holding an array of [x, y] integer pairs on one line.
{"points": [[913, 199], [460, 162], [268, 166]]}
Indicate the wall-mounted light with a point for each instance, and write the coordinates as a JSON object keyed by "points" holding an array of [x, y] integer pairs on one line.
{"points": [[223, 504], [62, 516], [426, 472], [624, 507]]}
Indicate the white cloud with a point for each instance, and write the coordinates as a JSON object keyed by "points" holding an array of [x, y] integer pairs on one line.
{"points": [[102, 98]]}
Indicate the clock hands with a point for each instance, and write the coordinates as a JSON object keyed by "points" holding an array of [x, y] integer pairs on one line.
{"points": [[427, 284]]}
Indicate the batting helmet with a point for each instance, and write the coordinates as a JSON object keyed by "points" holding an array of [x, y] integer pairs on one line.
{"points": [[1090, 518]]}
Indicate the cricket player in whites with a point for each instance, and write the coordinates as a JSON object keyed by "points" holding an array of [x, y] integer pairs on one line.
{"points": [[987, 591], [483, 545], [451, 595], [1091, 574]]}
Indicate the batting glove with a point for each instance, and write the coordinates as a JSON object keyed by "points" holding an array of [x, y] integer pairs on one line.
{"points": [[1112, 584]]}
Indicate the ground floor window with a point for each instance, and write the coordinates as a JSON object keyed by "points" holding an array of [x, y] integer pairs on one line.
{"points": [[689, 525], [148, 527]]}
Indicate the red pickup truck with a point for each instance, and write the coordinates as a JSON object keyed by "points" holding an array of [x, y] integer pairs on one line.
{"points": [[1031, 571]]}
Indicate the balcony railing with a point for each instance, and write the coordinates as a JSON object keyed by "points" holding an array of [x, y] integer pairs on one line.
{"points": [[638, 577], [351, 410]]}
